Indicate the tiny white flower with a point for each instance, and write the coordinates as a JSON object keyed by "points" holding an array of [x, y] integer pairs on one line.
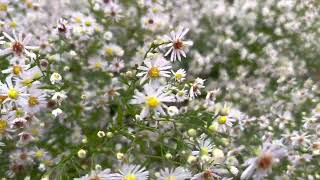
{"points": [[180, 75], [55, 78], [56, 112], [195, 88]]}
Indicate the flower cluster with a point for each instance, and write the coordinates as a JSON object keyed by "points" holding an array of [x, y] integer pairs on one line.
{"points": [[158, 89]]}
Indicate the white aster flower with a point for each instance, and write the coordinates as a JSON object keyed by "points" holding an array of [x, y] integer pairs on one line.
{"points": [[13, 91], [56, 112], [177, 46], [178, 173], [18, 45], [153, 99], [96, 175], [55, 78], [260, 166], [154, 69], [179, 75], [130, 172], [116, 65], [195, 88]]}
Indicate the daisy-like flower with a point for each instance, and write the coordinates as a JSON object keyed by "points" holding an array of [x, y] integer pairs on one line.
{"points": [[18, 45], [153, 99], [181, 95], [177, 46], [63, 28], [117, 65], [111, 90], [180, 75], [224, 121], [96, 175], [130, 172], [114, 11], [154, 69], [16, 69], [97, 64], [260, 166], [13, 91], [195, 88], [35, 100], [208, 174], [4, 129], [204, 148], [179, 173], [112, 50]]}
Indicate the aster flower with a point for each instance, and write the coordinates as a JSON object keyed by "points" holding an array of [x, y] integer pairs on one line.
{"points": [[114, 11], [36, 100], [181, 95], [5, 130], [16, 69], [63, 28], [205, 146], [195, 88], [111, 90], [179, 75], [96, 175], [260, 166], [116, 65], [13, 91], [178, 173], [18, 45], [177, 46], [208, 174], [154, 69], [97, 64], [153, 99], [130, 172], [110, 50]]}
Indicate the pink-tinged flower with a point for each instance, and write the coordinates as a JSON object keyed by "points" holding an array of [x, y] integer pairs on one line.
{"points": [[260, 166], [18, 45], [177, 46]]}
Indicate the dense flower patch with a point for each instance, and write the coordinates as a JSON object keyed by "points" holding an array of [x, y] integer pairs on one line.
{"points": [[159, 89]]}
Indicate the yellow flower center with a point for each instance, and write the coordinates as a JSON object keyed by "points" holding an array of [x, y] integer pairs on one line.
{"points": [[178, 76], [77, 19], [35, 132], [13, 93], [3, 7], [152, 101], [3, 126], [130, 177], [87, 23], [170, 178], [16, 70], [204, 151], [13, 24], [109, 51], [154, 72], [39, 154], [98, 65], [29, 5], [32, 101], [222, 119]]}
